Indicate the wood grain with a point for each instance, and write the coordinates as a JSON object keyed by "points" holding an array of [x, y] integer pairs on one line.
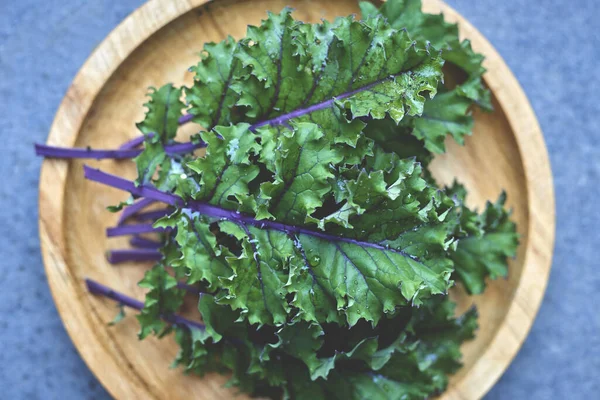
{"points": [[156, 44]]}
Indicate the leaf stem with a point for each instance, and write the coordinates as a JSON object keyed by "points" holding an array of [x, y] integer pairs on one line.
{"points": [[125, 255], [189, 288], [68, 152], [101, 290], [135, 142], [144, 243], [184, 119], [133, 229], [153, 215], [134, 209], [221, 213]]}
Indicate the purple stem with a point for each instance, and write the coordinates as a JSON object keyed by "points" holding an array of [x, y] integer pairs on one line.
{"points": [[184, 119], [132, 230], [128, 149], [283, 119], [153, 215], [125, 255], [68, 152], [143, 243], [182, 148], [134, 209], [188, 288], [150, 192], [99, 289], [135, 142], [221, 213]]}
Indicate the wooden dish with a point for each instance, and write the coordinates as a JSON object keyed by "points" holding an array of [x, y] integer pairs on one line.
{"points": [[156, 44]]}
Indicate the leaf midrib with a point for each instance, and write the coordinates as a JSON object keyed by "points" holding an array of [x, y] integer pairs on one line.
{"points": [[284, 118], [217, 212]]}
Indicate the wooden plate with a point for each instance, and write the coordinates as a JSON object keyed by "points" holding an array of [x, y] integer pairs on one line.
{"points": [[156, 44]]}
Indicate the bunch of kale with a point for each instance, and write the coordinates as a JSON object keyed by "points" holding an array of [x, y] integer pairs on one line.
{"points": [[320, 246]]}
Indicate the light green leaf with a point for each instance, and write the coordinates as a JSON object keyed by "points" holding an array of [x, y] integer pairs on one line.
{"points": [[121, 205], [447, 114]]}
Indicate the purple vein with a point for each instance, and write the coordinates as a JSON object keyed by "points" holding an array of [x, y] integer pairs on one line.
{"points": [[221, 213], [133, 229], [68, 152], [101, 290], [134, 209], [284, 118], [125, 255]]}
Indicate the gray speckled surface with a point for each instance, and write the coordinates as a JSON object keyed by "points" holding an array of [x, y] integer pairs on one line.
{"points": [[553, 47]]}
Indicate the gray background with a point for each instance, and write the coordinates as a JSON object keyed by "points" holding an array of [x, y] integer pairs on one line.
{"points": [[553, 48]]}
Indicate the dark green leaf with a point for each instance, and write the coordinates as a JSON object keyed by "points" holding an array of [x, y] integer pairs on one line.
{"points": [[483, 249]]}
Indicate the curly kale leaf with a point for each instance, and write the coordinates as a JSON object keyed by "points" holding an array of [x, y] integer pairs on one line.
{"points": [[485, 242], [449, 111], [159, 128], [211, 97], [411, 352], [163, 298], [408, 357], [419, 362], [285, 71], [389, 249]]}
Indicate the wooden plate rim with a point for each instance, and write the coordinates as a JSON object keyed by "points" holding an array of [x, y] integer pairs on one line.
{"points": [[69, 292]]}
